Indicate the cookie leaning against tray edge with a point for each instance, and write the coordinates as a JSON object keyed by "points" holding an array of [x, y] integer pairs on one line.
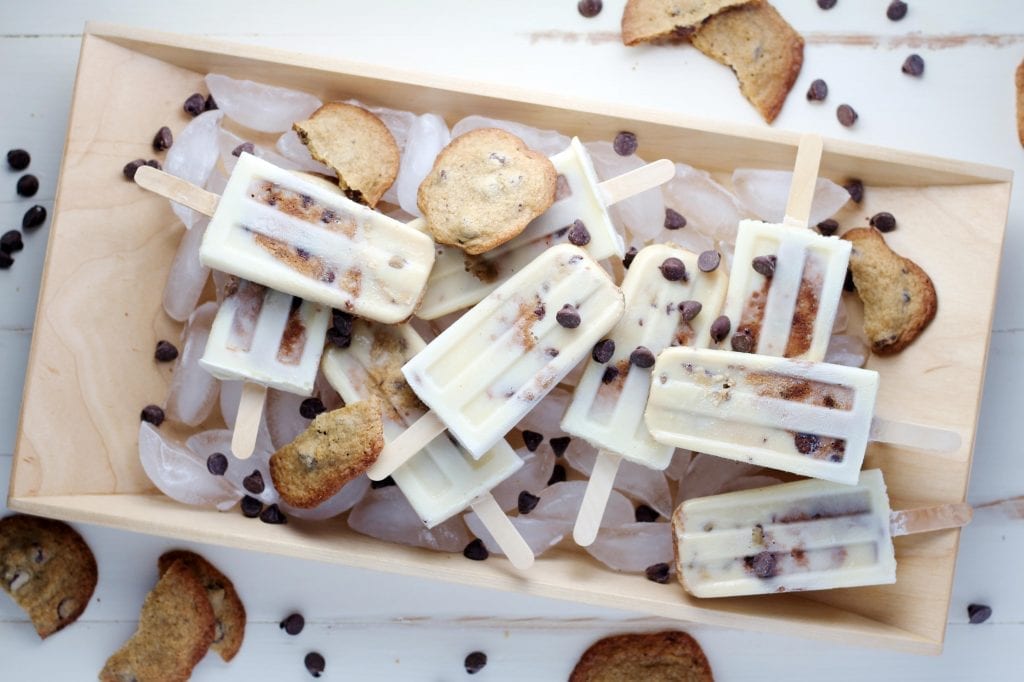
{"points": [[652, 657]]}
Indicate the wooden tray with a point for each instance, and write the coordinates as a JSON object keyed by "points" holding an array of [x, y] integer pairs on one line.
{"points": [[90, 369]]}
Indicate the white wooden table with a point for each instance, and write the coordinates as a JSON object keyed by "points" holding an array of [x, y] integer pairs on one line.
{"points": [[379, 626]]}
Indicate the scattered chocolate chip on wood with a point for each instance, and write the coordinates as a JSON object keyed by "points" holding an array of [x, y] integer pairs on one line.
{"points": [[828, 227], [476, 551], [896, 10], [153, 163], [132, 167], [913, 65], [846, 115], [315, 664], [11, 242], [293, 623], [165, 351], [33, 218], [625, 143], [818, 91], [153, 414], [210, 104], [195, 104], [658, 573], [28, 185], [826, 4], [978, 613], [476, 661], [18, 159], [589, 8], [251, 507], [273, 515], [856, 189], [163, 139], [883, 221]]}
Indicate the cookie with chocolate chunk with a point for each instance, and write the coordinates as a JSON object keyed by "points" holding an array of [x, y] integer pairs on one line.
{"points": [[228, 610], [644, 21], [899, 297], [761, 48], [337, 447], [670, 656], [176, 628], [48, 570], [484, 189], [356, 144]]}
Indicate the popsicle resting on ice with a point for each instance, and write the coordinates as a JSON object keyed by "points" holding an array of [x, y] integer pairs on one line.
{"points": [[486, 371], [807, 535]]}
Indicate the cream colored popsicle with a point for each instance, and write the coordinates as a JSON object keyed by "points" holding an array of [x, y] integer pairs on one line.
{"points": [[487, 370], [807, 418], [276, 228], [808, 535], [459, 280], [670, 301]]}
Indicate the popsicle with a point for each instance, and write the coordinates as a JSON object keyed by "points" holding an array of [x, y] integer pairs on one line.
{"points": [[808, 535], [266, 339], [459, 281], [488, 369], [808, 418], [279, 229], [672, 298], [442, 479]]}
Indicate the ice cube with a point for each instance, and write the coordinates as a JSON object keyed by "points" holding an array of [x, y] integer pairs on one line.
{"points": [[709, 208], [635, 480], [428, 135], [290, 147], [194, 156], [187, 277], [847, 350], [842, 320], [749, 483], [283, 419], [546, 417], [540, 534], [180, 473], [547, 142], [267, 108], [633, 547], [679, 464], [193, 391], [323, 390], [708, 475], [643, 215], [765, 192], [385, 514], [227, 142], [341, 502], [533, 477], [689, 239], [205, 443], [561, 502]]}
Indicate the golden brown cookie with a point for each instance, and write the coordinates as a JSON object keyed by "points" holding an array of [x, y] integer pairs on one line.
{"points": [[670, 656], [356, 144], [176, 627], [644, 21], [337, 447], [761, 48], [48, 570], [899, 298], [1020, 103], [484, 189], [228, 610]]}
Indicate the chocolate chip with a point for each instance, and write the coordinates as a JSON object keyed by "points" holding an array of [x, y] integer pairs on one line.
{"points": [[527, 501], [828, 227], [163, 139], [720, 328], [628, 258], [645, 514], [247, 147], [846, 115], [311, 407], [560, 445], [338, 339], [557, 475], [165, 351], [589, 9], [217, 463], [5, 260], [625, 143], [315, 663], [210, 104], [578, 233], [476, 661], [883, 222], [818, 91], [742, 342], [765, 265], [611, 372], [673, 220], [254, 482], [33, 218], [195, 104], [826, 4], [848, 284], [658, 573], [251, 507], [568, 316], [11, 242], [763, 564], [806, 443], [709, 260], [153, 414], [603, 351], [856, 189], [913, 65], [532, 439], [273, 515], [689, 310], [642, 357], [383, 483], [28, 185], [131, 167], [475, 551], [18, 159], [153, 163], [293, 624], [978, 613], [673, 270], [897, 10]]}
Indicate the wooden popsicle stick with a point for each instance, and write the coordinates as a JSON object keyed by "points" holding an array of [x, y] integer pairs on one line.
{"points": [[595, 499], [247, 423], [398, 451], [512, 544], [637, 180], [805, 177], [929, 438], [927, 519], [177, 190]]}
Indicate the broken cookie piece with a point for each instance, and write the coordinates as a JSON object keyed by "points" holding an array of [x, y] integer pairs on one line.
{"points": [[654, 657], [899, 297], [337, 447], [47, 569], [357, 145], [484, 189], [644, 21]]}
